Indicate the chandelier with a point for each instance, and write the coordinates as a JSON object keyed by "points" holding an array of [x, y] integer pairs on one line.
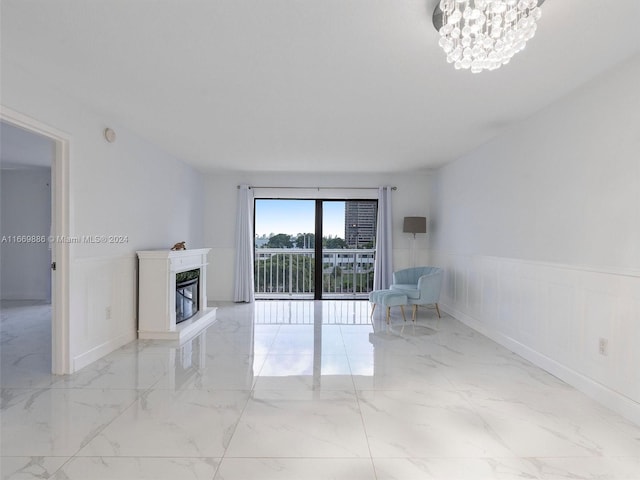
{"points": [[485, 34]]}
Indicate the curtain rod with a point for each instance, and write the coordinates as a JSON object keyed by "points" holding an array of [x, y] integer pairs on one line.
{"points": [[320, 188]]}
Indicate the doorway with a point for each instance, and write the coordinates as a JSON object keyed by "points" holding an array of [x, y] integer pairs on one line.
{"points": [[20, 134], [314, 248]]}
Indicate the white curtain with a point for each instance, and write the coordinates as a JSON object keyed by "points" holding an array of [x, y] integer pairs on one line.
{"points": [[383, 273], [243, 284]]}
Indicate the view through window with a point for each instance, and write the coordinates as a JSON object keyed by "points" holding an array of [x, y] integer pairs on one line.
{"points": [[300, 244]]}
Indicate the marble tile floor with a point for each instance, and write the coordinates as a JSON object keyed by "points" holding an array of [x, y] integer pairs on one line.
{"points": [[301, 390]]}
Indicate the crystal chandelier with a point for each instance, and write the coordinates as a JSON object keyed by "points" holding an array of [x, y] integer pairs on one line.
{"points": [[485, 34]]}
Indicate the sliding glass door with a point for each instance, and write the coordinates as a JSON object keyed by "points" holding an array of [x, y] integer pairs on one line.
{"points": [[285, 248], [314, 248], [348, 248]]}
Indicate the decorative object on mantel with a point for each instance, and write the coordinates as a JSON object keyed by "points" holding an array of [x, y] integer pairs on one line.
{"points": [[179, 246], [485, 34]]}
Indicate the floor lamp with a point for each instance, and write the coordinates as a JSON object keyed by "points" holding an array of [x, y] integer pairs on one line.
{"points": [[414, 225]]}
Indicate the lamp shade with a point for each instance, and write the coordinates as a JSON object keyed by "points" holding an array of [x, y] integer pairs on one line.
{"points": [[415, 225]]}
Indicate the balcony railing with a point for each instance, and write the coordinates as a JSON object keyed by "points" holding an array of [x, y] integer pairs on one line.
{"points": [[290, 273]]}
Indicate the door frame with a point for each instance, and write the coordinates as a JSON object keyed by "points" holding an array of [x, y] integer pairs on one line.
{"points": [[60, 338], [317, 292]]}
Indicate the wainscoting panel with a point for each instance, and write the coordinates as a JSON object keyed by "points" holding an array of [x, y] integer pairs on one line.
{"points": [[555, 316], [220, 274], [104, 315]]}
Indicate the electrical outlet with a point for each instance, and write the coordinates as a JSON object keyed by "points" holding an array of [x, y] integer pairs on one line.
{"points": [[108, 313], [603, 346]]}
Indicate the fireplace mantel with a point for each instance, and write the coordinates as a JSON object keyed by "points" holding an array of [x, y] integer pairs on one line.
{"points": [[157, 290]]}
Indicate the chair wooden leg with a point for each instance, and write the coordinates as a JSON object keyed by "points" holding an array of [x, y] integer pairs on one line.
{"points": [[388, 314], [438, 310], [402, 310], [373, 309], [414, 312]]}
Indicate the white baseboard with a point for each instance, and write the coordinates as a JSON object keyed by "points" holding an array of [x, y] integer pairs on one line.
{"points": [[607, 397], [84, 359]]}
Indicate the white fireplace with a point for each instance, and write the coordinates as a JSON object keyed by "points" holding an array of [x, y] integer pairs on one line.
{"points": [[157, 294]]}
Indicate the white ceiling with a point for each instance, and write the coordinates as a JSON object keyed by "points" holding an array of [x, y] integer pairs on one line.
{"points": [[304, 85]]}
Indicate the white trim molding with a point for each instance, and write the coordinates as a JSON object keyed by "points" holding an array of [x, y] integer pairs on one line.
{"points": [[61, 360]]}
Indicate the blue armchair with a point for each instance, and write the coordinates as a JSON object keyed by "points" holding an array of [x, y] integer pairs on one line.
{"points": [[421, 285]]}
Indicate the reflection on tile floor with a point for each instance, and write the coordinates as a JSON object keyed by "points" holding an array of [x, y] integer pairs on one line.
{"points": [[301, 390]]}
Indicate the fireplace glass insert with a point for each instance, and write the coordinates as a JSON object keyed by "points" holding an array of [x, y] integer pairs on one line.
{"points": [[187, 291]]}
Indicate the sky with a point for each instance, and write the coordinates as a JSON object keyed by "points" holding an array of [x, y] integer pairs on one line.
{"points": [[298, 216]]}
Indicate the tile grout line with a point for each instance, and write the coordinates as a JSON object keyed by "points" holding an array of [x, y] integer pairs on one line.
{"points": [[357, 397], [249, 396], [75, 455]]}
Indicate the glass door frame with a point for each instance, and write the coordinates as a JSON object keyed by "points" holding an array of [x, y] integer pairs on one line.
{"points": [[318, 262]]}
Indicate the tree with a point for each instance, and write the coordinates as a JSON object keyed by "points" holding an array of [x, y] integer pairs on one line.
{"points": [[333, 242], [305, 240], [281, 240]]}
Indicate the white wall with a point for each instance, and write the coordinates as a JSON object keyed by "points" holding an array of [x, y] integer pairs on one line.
{"points": [[539, 232], [128, 188], [26, 210], [410, 199]]}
